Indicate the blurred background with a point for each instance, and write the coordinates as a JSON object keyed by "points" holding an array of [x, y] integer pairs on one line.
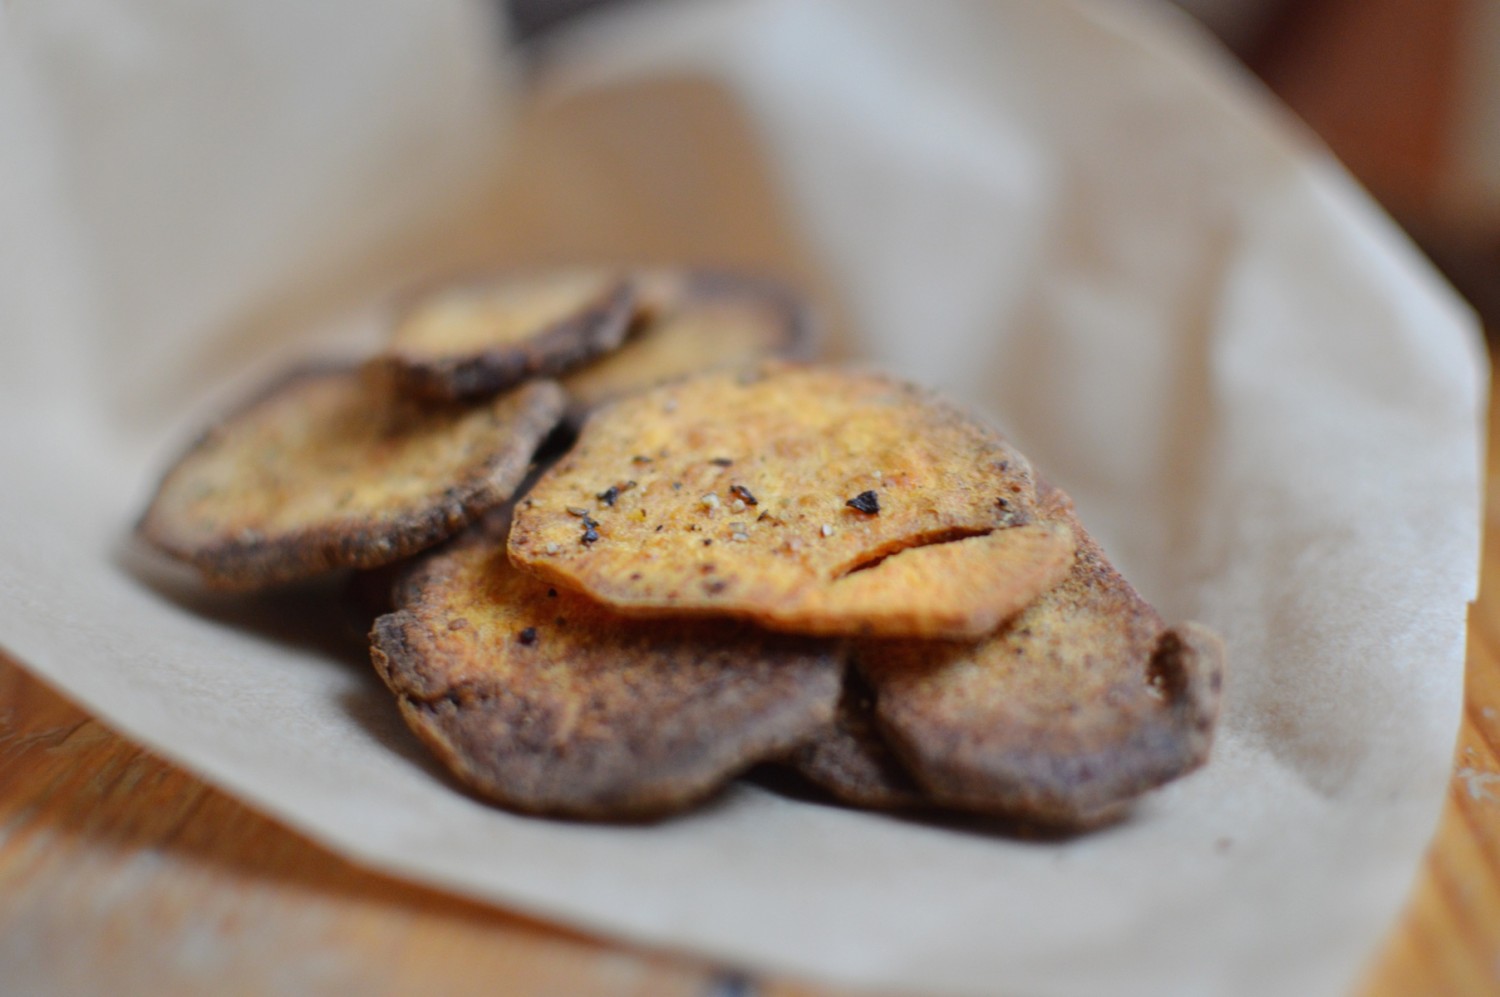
{"points": [[1405, 92]]}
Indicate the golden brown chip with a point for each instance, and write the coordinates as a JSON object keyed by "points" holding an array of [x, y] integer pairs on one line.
{"points": [[479, 337], [547, 702], [326, 469], [694, 321], [849, 757], [794, 496], [1080, 703]]}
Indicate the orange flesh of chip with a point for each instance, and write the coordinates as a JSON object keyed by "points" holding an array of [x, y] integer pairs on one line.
{"points": [[732, 491]]}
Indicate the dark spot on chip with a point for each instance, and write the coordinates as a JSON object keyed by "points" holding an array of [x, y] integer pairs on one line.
{"points": [[528, 636], [743, 494], [708, 543], [716, 586], [609, 495], [552, 593], [866, 502], [641, 459], [676, 486], [722, 461], [590, 535], [574, 510], [458, 623], [1002, 502]]}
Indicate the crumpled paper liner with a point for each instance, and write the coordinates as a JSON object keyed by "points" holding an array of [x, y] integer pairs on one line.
{"points": [[1075, 217]]}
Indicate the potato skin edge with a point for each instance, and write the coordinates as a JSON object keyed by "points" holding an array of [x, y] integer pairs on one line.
{"points": [[595, 330]]}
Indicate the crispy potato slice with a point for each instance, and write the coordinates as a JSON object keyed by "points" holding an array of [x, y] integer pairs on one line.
{"points": [[793, 496], [694, 321], [327, 469], [1079, 704], [547, 702], [850, 759], [478, 337]]}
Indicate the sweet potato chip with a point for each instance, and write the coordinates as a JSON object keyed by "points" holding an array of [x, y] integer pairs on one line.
{"points": [[850, 759], [475, 338], [694, 321], [549, 703], [794, 496], [327, 469], [1080, 703]]}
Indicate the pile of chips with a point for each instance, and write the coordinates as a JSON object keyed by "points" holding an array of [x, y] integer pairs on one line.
{"points": [[632, 549]]}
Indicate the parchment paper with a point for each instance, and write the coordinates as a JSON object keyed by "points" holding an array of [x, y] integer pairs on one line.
{"points": [[1075, 217]]}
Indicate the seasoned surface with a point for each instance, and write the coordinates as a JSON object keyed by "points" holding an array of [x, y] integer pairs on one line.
{"points": [[547, 702], [480, 336], [1081, 702], [326, 469], [741, 493]]}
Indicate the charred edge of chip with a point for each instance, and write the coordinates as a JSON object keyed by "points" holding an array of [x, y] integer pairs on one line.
{"points": [[1166, 671], [591, 331], [866, 502], [399, 658], [873, 558], [744, 494]]}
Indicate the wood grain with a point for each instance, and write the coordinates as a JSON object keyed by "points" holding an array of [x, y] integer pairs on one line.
{"points": [[122, 874], [1448, 939]]}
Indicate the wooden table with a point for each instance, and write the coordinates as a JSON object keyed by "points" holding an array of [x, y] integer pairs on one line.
{"points": [[121, 874]]}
